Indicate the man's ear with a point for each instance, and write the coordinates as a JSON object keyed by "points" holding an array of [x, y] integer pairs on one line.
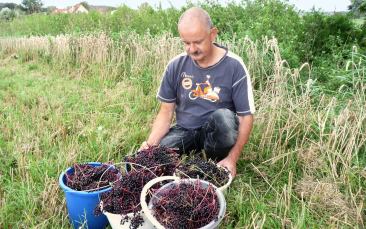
{"points": [[213, 34]]}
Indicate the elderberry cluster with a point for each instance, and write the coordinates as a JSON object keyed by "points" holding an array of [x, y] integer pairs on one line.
{"points": [[197, 167], [124, 198], [186, 205], [159, 159], [86, 177]]}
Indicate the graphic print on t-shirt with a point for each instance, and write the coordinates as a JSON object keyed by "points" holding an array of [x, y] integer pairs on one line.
{"points": [[203, 90]]}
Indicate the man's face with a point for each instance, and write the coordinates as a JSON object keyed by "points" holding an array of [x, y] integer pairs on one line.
{"points": [[197, 40]]}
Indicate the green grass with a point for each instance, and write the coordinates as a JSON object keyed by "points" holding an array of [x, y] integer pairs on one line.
{"points": [[359, 21], [50, 122]]}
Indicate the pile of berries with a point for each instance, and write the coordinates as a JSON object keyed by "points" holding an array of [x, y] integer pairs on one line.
{"points": [[124, 198], [86, 177], [159, 159], [206, 170], [186, 205]]}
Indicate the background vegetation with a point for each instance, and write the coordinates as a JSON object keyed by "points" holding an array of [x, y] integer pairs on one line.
{"points": [[322, 39], [78, 88]]}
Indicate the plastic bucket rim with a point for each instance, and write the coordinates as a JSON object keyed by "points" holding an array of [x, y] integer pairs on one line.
{"points": [[65, 188]]}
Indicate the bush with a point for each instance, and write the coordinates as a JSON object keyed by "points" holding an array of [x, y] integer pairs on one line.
{"points": [[325, 34], [7, 14]]}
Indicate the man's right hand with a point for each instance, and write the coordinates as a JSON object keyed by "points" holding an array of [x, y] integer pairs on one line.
{"points": [[144, 146], [161, 125]]}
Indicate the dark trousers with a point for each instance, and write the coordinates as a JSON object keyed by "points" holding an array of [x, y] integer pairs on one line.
{"points": [[216, 136]]}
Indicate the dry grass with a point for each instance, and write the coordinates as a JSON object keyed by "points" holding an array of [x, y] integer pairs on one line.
{"points": [[325, 198], [130, 54], [312, 159]]}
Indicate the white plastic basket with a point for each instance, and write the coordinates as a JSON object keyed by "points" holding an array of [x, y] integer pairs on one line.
{"points": [[147, 209], [115, 220]]}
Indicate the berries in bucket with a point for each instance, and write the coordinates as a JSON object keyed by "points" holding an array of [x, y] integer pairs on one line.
{"points": [[186, 203], [121, 205], [82, 185], [198, 168]]}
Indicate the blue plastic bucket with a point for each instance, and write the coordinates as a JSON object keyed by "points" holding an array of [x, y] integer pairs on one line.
{"points": [[81, 204]]}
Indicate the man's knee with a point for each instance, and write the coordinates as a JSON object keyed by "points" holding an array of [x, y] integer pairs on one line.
{"points": [[179, 139], [224, 119], [173, 141], [221, 130]]}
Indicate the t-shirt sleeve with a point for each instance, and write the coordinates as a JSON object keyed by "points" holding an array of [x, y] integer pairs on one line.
{"points": [[242, 93], [167, 89]]}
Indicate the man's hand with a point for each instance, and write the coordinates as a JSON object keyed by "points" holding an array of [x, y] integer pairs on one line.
{"points": [[245, 126], [161, 125], [230, 164], [144, 146]]}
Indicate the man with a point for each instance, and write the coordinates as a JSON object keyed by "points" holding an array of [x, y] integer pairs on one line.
{"points": [[210, 91]]}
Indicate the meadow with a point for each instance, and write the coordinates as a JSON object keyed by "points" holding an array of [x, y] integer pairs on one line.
{"points": [[78, 97]]}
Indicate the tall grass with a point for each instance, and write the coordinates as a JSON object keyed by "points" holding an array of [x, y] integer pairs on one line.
{"points": [[68, 99]]}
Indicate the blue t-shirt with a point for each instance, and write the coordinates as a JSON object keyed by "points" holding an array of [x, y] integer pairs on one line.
{"points": [[199, 91]]}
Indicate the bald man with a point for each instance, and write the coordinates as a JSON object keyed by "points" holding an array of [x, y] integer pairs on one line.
{"points": [[209, 90]]}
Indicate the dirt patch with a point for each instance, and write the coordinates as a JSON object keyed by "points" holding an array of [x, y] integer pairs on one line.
{"points": [[311, 159], [325, 198]]}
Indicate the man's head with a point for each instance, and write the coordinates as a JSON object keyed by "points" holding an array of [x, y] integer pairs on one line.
{"points": [[197, 33]]}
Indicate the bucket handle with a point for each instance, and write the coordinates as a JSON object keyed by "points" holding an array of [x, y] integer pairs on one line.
{"points": [[144, 206]]}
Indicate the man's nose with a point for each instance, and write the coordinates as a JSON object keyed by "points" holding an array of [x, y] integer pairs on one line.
{"points": [[192, 48]]}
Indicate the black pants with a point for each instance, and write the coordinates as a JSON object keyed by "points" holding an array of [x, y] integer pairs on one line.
{"points": [[216, 136]]}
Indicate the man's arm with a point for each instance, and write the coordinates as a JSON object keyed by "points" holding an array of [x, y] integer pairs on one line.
{"points": [[245, 127], [161, 125]]}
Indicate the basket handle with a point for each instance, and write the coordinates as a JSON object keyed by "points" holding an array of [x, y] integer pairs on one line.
{"points": [[144, 206]]}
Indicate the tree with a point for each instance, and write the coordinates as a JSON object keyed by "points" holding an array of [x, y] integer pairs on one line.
{"points": [[358, 7], [86, 5], [7, 14], [32, 6], [11, 6]]}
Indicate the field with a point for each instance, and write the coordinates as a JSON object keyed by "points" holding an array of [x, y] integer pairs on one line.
{"points": [[303, 167], [91, 97]]}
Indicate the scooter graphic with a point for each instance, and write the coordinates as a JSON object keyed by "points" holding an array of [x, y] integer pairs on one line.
{"points": [[204, 91]]}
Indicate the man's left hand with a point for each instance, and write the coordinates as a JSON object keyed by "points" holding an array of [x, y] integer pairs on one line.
{"points": [[229, 164]]}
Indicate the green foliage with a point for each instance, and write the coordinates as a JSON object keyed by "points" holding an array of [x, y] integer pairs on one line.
{"points": [[144, 20], [32, 6], [326, 42], [321, 40], [358, 7], [7, 14], [323, 34], [85, 4], [257, 19]]}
